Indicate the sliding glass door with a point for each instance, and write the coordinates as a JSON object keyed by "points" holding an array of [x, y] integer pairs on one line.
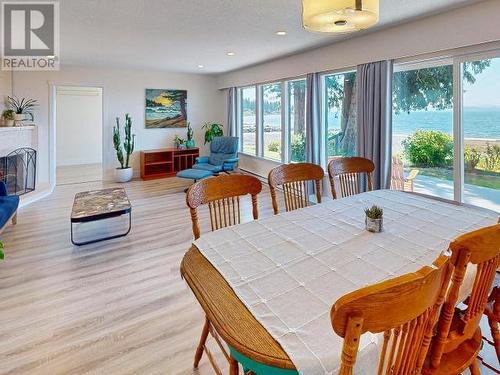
{"points": [[446, 129], [422, 128], [481, 132]]}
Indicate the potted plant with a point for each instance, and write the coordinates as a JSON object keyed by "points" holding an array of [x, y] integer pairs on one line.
{"points": [[212, 130], [179, 142], [124, 173], [190, 135], [22, 108], [8, 117], [374, 221]]}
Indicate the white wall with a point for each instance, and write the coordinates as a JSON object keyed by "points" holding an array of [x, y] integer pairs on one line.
{"points": [[123, 92], [474, 24], [5, 88], [78, 125]]}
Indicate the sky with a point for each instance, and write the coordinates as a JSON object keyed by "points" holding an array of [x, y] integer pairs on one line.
{"points": [[485, 92]]}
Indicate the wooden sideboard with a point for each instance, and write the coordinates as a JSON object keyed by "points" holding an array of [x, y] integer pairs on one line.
{"points": [[166, 162]]}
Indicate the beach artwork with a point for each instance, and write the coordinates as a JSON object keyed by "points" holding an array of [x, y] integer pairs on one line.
{"points": [[166, 108]]}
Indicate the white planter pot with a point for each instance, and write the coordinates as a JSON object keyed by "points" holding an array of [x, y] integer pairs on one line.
{"points": [[123, 175], [18, 119]]}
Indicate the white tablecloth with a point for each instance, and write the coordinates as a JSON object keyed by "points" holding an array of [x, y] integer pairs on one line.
{"points": [[291, 268]]}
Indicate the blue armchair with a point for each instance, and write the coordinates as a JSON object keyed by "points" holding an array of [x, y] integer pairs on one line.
{"points": [[8, 206], [223, 156]]}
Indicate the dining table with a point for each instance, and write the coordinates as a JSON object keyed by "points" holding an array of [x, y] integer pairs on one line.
{"points": [[267, 286]]}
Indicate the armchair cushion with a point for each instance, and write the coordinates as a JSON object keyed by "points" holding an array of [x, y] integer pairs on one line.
{"points": [[202, 160], [208, 167], [223, 148], [3, 189], [8, 207]]}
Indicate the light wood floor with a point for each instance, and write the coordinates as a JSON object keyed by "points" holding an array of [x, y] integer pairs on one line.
{"points": [[116, 307], [77, 174]]}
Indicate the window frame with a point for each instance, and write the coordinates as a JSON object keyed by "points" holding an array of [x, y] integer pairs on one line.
{"points": [[259, 119], [324, 112], [458, 131], [240, 118]]}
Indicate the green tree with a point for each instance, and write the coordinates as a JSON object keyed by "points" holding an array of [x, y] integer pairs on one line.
{"points": [[426, 88]]}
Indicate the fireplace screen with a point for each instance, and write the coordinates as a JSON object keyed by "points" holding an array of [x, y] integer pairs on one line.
{"points": [[18, 171]]}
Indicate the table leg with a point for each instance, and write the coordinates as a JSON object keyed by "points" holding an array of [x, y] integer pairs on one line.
{"points": [[104, 238]]}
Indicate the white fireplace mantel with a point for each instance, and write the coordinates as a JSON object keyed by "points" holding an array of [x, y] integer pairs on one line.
{"points": [[12, 138]]}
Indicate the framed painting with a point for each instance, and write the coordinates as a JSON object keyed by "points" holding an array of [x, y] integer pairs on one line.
{"points": [[166, 108]]}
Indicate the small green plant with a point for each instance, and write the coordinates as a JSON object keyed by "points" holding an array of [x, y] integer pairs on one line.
{"points": [[212, 130], [429, 148], [374, 212], [298, 147], [128, 144], [189, 132], [178, 140], [8, 114], [472, 157], [22, 106], [2, 255], [492, 158], [273, 146]]}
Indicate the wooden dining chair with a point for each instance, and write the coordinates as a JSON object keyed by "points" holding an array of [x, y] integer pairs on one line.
{"points": [[405, 309], [348, 171], [458, 339], [492, 311], [294, 179], [222, 195]]}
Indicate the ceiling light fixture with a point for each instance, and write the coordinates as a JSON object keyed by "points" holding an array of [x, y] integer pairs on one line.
{"points": [[230, 53], [339, 16], [281, 33], [201, 66]]}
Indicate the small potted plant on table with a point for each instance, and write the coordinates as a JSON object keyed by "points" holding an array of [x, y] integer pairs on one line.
{"points": [[374, 221], [124, 173]]}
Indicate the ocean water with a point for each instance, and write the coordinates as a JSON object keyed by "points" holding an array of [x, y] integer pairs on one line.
{"points": [[478, 122]]}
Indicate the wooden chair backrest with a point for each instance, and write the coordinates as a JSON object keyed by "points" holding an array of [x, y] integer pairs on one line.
{"points": [[482, 248], [294, 179], [397, 174], [222, 194], [404, 308], [348, 171]]}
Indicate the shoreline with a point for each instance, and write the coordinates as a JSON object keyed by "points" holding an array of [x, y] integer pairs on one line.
{"points": [[478, 143]]}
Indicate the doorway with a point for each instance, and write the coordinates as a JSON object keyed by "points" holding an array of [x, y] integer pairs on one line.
{"points": [[78, 134]]}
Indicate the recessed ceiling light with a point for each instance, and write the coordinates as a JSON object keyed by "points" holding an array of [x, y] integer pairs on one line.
{"points": [[281, 33], [201, 66], [230, 53]]}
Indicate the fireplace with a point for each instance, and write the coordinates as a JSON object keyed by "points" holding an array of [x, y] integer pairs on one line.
{"points": [[18, 170]]}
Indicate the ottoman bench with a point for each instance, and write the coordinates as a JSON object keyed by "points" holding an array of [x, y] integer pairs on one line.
{"points": [[194, 174]]}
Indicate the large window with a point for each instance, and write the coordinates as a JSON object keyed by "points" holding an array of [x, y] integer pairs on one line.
{"points": [[448, 144], [340, 117], [481, 129], [297, 120], [272, 121], [248, 120], [423, 127]]}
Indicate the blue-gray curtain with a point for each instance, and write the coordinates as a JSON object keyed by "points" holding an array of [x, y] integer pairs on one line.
{"points": [[232, 111], [313, 104], [374, 121]]}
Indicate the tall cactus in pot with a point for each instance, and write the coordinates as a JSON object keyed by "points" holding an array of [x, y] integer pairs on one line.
{"points": [[124, 173]]}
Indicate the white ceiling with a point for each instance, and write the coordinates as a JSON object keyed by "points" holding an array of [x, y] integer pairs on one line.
{"points": [[177, 35]]}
